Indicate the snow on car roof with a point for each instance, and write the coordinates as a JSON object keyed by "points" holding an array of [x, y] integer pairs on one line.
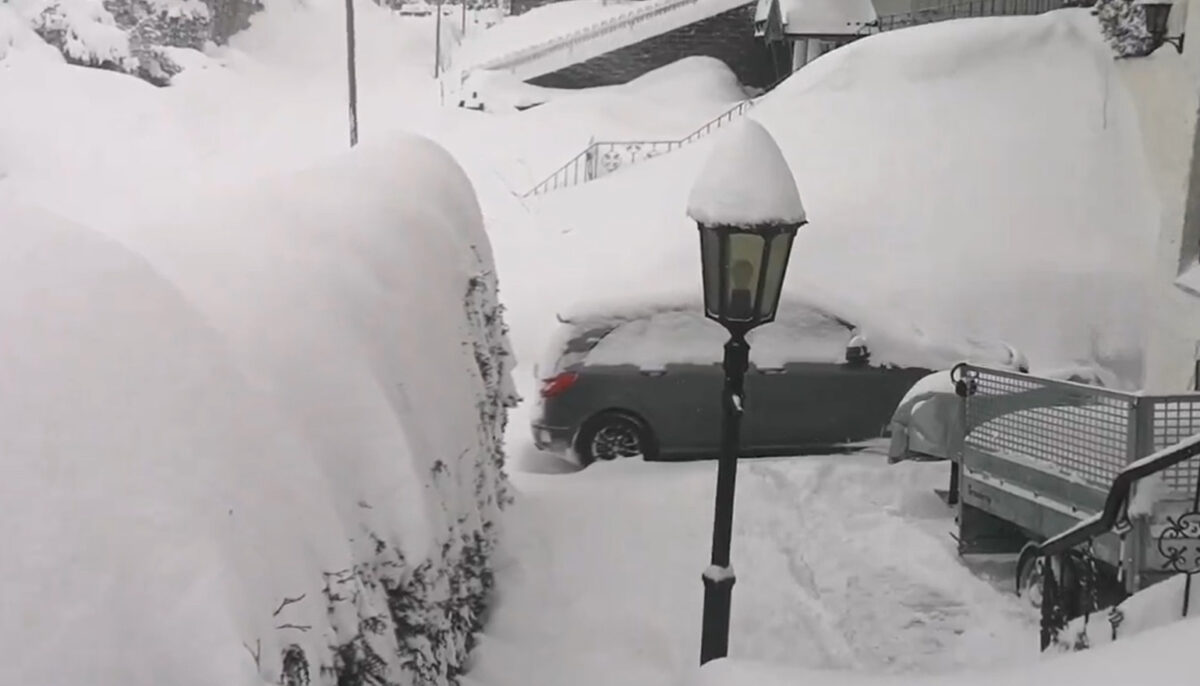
{"points": [[684, 336]]}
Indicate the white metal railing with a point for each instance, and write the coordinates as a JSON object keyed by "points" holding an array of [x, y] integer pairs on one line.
{"points": [[631, 18], [605, 157]]}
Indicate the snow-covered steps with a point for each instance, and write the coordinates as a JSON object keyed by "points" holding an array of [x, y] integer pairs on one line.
{"points": [[649, 19]]}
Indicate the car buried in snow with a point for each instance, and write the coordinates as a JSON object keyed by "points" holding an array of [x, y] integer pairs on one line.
{"points": [[649, 384]]}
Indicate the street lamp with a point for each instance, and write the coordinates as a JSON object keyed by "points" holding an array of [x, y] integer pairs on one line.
{"points": [[1157, 15], [748, 210]]}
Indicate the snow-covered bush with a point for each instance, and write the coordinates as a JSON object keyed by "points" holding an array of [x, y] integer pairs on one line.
{"points": [[255, 439], [84, 31], [1123, 23], [133, 36]]}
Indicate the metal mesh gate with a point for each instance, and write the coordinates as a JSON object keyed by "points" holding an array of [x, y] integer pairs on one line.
{"points": [[1083, 432], [1173, 419], [1076, 429]]}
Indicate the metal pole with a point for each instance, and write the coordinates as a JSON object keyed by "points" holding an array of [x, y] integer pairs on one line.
{"points": [[437, 42], [351, 73], [719, 577], [1050, 619], [464, 18]]}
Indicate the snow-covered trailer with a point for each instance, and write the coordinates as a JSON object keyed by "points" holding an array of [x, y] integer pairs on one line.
{"points": [[1039, 457]]}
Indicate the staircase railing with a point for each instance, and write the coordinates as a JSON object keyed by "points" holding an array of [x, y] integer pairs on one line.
{"points": [[605, 157], [631, 18], [1179, 543]]}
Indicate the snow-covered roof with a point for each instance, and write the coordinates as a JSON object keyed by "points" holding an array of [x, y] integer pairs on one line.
{"points": [[820, 17], [746, 182]]}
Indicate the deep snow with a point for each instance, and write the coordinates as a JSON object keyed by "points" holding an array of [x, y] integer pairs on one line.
{"points": [[842, 564], [1032, 234], [602, 581], [224, 408]]}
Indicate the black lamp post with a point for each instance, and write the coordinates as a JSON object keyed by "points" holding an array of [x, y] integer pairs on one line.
{"points": [[1157, 15], [744, 259]]}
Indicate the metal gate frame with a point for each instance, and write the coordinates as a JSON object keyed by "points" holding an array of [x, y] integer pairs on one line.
{"points": [[1037, 456]]}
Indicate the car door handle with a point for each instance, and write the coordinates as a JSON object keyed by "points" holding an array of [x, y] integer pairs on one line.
{"points": [[772, 372], [652, 372]]}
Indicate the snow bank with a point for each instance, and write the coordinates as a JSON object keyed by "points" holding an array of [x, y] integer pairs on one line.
{"points": [[258, 437], [16, 35], [665, 104], [1159, 605], [943, 216], [1160, 656]]}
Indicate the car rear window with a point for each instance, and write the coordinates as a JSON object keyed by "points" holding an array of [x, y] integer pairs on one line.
{"points": [[571, 347]]}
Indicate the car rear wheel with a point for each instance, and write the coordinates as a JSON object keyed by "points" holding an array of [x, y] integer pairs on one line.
{"points": [[613, 436]]}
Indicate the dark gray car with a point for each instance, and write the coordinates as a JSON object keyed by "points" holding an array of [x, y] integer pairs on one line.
{"points": [[651, 386]]}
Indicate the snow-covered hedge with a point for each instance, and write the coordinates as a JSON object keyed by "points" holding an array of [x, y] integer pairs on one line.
{"points": [[257, 438], [132, 36]]}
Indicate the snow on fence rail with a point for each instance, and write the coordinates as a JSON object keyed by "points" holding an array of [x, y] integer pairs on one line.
{"points": [[605, 157], [528, 54]]}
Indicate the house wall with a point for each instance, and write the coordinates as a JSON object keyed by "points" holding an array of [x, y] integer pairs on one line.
{"points": [[1169, 131]]}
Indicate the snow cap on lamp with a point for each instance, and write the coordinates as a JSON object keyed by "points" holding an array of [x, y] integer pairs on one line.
{"points": [[746, 182]]}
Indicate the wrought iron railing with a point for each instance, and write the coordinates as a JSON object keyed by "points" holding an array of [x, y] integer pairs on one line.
{"points": [[1178, 543], [605, 157]]}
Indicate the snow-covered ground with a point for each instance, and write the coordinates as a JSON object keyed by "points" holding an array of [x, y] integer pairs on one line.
{"points": [[842, 564], [980, 180]]}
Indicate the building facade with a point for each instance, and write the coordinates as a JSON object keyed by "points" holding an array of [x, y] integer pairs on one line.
{"points": [[1173, 332]]}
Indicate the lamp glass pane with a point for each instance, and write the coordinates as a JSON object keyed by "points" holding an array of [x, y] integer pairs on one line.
{"points": [[777, 259], [743, 263], [710, 262]]}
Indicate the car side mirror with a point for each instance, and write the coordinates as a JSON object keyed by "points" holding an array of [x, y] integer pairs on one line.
{"points": [[857, 352]]}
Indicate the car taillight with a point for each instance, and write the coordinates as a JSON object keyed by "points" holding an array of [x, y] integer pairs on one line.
{"points": [[558, 385]]}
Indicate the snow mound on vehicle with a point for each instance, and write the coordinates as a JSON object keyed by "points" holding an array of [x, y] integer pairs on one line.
{"points": [[935, 222]]}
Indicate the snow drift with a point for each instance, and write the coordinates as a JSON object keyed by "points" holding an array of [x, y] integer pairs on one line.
{"points": [[255, 439], [966, 183], [1153, 657]]}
